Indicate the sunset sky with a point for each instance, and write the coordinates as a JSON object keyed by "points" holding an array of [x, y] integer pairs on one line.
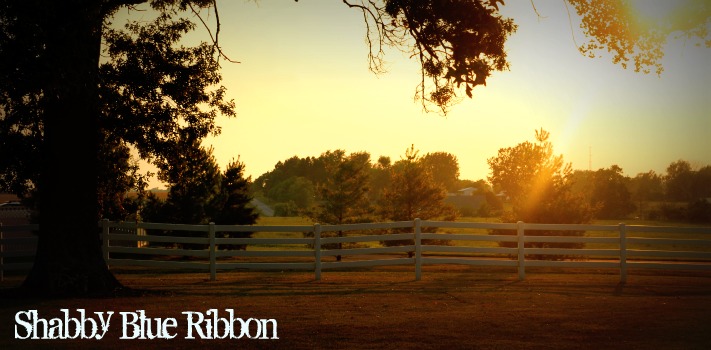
{"points": [[303, 87]]}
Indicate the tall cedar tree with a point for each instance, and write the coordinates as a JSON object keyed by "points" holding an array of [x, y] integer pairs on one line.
{"points": [[343, 197], [199, 193], [413, 193], [232, 204]]}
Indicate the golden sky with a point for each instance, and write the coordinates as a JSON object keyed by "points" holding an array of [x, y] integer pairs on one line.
{"points": [[303, 87]]}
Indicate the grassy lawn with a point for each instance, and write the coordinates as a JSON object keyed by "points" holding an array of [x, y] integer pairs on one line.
{"points": [[452, 307]]}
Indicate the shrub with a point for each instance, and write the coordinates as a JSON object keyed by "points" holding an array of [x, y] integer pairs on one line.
{"points": [[699, 211]]}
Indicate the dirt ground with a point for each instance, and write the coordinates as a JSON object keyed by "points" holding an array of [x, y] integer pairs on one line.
{"points": [[452, 307]]}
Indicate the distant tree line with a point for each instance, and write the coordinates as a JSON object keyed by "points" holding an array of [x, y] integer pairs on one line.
{"points": [[299, 186], [533, 178], [542, 188], [198, 193], [341, 188], [383, 189], [681, 194]]}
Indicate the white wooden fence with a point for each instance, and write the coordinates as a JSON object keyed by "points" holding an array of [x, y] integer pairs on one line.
{"points": [[16, 243], [310, 253]]}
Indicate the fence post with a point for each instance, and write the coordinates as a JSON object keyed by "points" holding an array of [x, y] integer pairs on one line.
{"points": [[317, 251], [2, 256], [213, 251], [418, 249], [521, 251], [623, 253], [105, 240]]}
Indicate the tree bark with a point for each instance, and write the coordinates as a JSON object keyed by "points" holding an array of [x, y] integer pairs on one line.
{"points": [[69, 260]]}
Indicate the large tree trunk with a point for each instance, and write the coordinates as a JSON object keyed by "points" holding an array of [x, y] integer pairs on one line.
{"points": [[69, 260]]}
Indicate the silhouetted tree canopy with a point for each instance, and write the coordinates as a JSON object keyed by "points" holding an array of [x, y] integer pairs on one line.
{"points": [[611, 194], [617, 26], [444, 168], [413, 192], [343, 197], [64, 108], [457, 43]]}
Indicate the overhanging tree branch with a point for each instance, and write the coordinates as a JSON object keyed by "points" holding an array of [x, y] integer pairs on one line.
{"points": [[214, 38], [456, 42]]}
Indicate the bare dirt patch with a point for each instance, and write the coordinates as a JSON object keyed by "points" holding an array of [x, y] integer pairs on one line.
{"points": [[452, 307]]}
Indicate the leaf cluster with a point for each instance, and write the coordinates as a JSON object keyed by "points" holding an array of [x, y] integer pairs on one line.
{"points": [[152, 92], [457, 42], [617, 27], [158, 90], [538, 184]]}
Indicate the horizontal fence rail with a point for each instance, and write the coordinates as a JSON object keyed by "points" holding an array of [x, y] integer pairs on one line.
{"points": [[17, 248], [213, 248]]}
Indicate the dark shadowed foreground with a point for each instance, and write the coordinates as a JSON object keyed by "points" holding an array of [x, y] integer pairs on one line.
{"points": [[452, 307]]}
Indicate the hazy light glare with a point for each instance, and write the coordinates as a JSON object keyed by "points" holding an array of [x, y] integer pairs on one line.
{"points": [[304, 88]]}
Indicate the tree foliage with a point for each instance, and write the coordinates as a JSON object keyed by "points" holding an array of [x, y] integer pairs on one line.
{"points": [[413, 192], [157, 89], [538, 184], [296, 183], [232, 204], [528, 173], [611, 194], [680, 181], [198, 193], [62, 104], [647, 186], [343, 197], [118, 174], [194, 180], [457, 43], [444, 168]]}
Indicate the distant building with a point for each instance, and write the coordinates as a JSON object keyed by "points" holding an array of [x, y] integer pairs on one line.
{"points": [[469, 191], [467, 200], [262, 208]]}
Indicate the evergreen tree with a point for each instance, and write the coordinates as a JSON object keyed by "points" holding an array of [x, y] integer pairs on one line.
{"points": [[413, 193], [232, 204], [343, 198]]}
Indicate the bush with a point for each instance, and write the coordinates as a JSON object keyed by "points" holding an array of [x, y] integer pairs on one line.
{"points": [[673, 212], [233, 235], [699, 211], [403, 242], [537, 233], [467, 211], [288, 209]]}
